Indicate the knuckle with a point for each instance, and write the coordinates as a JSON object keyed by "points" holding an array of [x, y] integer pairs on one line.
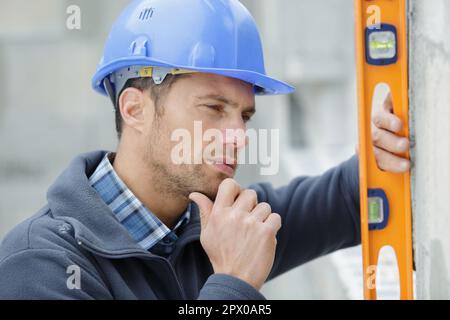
{"points": [[277, 219], [377, 119], [402, 144], [250, 193], [382, 162], [264, 206], [270, 229], [266, 230], [376, 152], [392, 164], [229, 183], [276, 216], [233, 219], [249, 222], [225, 212], [240, 214], [376, 135], [229, 180], [396, 123]]}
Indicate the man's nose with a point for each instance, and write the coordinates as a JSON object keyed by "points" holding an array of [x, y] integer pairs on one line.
{"points": [[235, 135]]}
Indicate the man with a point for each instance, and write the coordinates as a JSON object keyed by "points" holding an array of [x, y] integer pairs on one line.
{"points": [[135, 225]]}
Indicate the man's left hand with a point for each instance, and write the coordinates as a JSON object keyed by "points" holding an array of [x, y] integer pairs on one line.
{"points": [[389, 146]]}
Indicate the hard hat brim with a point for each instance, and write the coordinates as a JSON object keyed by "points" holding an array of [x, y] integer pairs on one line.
{"points": [[264, 85]]}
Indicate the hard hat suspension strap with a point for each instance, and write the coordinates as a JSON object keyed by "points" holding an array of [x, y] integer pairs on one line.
{"points": [[117, 80]]}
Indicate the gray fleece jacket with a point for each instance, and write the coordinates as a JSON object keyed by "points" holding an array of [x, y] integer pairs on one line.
{"points": [[74, 247]]}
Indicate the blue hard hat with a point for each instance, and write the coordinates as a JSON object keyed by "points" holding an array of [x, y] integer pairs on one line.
{"points": [[212, 36]]}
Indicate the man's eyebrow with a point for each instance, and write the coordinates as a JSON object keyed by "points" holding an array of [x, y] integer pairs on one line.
{"points": [[224, 100]]}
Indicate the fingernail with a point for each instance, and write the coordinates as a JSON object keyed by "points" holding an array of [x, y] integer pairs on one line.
{"points": [[403, 144], [405, 165]]}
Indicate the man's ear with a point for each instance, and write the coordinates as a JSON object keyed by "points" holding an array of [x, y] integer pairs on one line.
{"points": [[132, 108]]}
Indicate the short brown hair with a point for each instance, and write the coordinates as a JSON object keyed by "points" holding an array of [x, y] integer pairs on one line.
{"points": [[157, 93]]}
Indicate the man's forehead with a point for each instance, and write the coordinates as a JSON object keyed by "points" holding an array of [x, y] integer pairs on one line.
{"points": [[234, 91]]}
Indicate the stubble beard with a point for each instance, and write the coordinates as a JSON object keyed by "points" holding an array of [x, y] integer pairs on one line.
{"points": [[177, 180]]}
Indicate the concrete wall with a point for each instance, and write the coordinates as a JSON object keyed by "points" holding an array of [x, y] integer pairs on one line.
{"points": [[430, 117], [48, 112]]}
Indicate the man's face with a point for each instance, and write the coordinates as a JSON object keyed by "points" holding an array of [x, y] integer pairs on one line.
{"points": [[213, 103]]}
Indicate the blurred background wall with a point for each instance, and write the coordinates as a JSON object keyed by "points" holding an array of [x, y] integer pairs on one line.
{"points": [[310, 44], [49, 113]]}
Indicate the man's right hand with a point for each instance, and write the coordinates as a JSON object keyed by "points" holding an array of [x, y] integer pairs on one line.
{"points": [[238, 234]]}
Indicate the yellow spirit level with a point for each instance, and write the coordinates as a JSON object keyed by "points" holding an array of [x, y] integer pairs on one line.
{"points": [[382, 57]]}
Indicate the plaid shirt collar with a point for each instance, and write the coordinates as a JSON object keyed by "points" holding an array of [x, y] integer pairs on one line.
{"points": [[144, 227]]}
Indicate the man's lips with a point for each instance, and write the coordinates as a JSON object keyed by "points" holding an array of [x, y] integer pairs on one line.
{"points": [[224, 168], [227, 166]]}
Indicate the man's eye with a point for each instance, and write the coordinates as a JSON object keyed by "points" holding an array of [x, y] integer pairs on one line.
{"points": [[246, 118], [214, 107]]}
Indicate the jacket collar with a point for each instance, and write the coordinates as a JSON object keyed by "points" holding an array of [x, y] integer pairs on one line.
{"points": [[71, 198]]}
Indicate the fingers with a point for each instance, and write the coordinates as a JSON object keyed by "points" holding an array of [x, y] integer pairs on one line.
{"points": [[389, 162], [274, 222], [204, 204], [247, 200], [388, 141], [261, 212], [387, 105], [388, 121], [228, 191]]}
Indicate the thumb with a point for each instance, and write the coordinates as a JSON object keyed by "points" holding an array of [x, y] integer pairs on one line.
{"points": [[204, 204]]}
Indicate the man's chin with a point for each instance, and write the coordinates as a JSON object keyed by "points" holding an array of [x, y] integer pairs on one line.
{"points": [[211, 184]]}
